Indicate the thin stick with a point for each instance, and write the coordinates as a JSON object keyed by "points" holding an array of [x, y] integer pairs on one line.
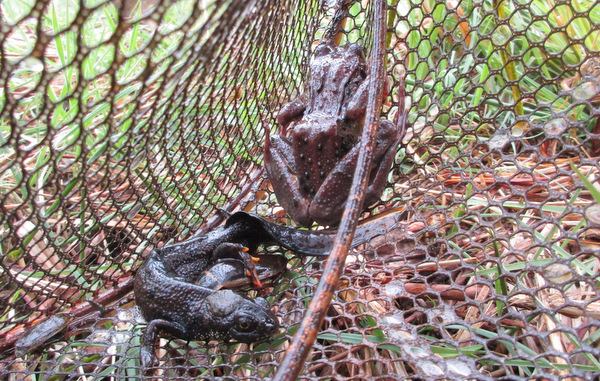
{"points": [[304, 339]]}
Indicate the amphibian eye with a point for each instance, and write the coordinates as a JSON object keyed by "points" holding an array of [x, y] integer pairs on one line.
{"points": [[244, 325]]}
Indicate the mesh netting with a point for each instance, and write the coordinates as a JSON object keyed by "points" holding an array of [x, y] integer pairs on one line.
{"points": [[124, 127]]}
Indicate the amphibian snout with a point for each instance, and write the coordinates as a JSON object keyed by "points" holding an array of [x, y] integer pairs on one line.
{"points": [[238, 318]]}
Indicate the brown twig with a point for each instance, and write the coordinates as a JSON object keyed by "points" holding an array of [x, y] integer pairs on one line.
{"points": [[301, 344], [596, 141], [9, 338]]}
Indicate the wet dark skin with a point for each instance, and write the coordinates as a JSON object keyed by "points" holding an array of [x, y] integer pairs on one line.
{"points": [[188, 260], [311, 166], [176, 295], [193, 312], [232, 273]]}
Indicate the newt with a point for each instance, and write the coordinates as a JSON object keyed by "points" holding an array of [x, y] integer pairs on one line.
{"points": [[175, 297], [189, 311]]}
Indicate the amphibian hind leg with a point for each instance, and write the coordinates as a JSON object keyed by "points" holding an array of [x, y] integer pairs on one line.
{"points": [[147, 355], [388, 140], [229, 250], [329, 202], [289, 112], [280, 166]]}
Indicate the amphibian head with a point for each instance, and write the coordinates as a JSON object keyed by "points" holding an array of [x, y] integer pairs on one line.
{"points": [[236, 317]]}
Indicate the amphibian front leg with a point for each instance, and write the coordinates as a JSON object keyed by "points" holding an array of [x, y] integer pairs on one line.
{"points": [[147, 355]]}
